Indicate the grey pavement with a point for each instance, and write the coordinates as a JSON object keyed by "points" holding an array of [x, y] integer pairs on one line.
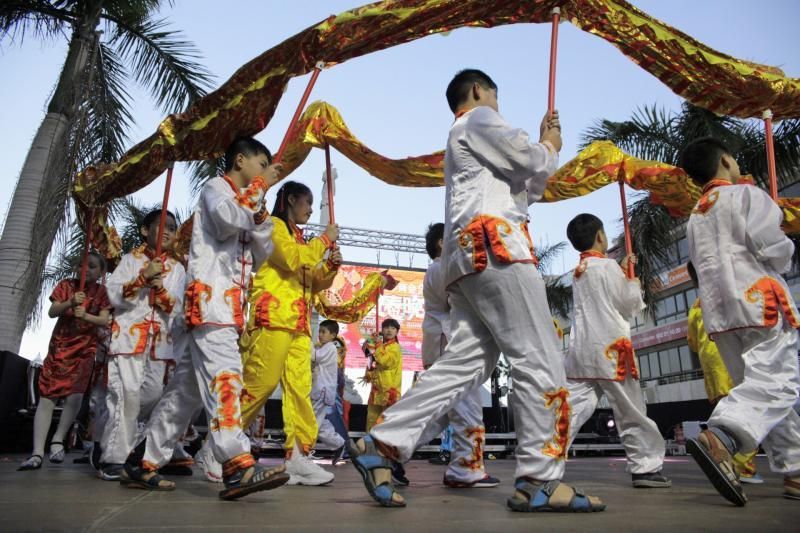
{"points": [[68, 498]]}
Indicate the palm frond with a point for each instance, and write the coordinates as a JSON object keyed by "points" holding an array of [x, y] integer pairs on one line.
{"points": [[546, 254], [108, 107], [44, 20], [202, 171], [161, 60], [649, 134], [559, 297]]}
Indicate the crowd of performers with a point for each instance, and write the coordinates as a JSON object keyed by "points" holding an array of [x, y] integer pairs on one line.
{"points": [[223, 333]]}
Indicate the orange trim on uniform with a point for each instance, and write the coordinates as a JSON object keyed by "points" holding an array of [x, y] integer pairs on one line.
{"points": [[233, 297], [240, 462], [621, 351], [710, 196], [226, 386], [582, 264], [163, 300], [473, 235], [196, 293], [131, 289], [478, 436], [559, 402], [148, 466], [300, 306], [773, 297], [264, 305]]}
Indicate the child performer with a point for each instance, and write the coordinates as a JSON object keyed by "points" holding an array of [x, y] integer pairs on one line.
{"points": [[717, 380], [147, 294], [67, 368], [493, 172], [739, 251], [324, 381], [387, 377], [466, 468], [600, 359], [231, 233], [276, 346]]}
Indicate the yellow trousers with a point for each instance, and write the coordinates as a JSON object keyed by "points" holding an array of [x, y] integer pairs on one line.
{"points": [[373, 413], [271, 357]]}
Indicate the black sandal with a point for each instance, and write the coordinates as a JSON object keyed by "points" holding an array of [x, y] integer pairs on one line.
{"points": [[134, 477], [34, 462]]}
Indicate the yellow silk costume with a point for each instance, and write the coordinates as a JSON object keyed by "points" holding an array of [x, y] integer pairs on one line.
{"points": [[715, 375], [276, 345], [386, 379]]}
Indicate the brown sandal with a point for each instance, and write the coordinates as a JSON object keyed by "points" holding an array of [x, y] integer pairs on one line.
{"points": [[716, 461]]}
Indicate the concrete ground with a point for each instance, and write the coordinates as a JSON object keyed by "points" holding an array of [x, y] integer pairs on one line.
{"points": [[67, 498]]}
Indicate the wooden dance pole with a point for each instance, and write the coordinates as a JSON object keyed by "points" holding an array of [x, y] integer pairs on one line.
{"points": [[303, 100], [773, 174], [329, 179], [86, 247], [551, 88], [626, 225], [162, 221]]}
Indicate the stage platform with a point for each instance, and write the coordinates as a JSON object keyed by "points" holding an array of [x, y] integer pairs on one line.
{"points": [[68, 498]]}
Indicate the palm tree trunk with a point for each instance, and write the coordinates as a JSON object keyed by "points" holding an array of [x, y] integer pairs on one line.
{"points": [[35, 210]]}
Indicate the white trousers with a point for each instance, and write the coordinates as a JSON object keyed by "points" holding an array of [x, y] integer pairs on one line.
{"points": [[175, 410], [218, 371], [98, 409], [643, 443], [326, 434], [759, 409], [503, 309], [135, 384]]}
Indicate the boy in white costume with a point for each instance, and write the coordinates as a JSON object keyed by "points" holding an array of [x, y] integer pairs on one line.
{"points": [[231, 235], [600, 359], [324, 374], [493, 172], [739, 252], [147, 294], [466, 468]]}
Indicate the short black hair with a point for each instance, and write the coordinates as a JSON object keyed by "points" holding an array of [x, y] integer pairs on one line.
{"points": [[390, 322], [154, 216], [331, 326], [432, 237], [582, 231], [700, 158], [692, 274], [459, 87], [247, 146]]}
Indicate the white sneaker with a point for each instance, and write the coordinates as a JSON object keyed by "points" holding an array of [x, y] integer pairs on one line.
{"points": [[303, 471], [211, 467]]}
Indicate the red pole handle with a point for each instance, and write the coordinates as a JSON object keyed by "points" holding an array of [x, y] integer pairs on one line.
{"points": [[314, 75], [377, 312], [329, 179], [551, 88], [628, 244], [162, 222], [773, 174], [86, 246]]}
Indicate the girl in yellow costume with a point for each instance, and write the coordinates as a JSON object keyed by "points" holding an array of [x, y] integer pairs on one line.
{"points": [[717, 380], [276, 346], [387, 377]]}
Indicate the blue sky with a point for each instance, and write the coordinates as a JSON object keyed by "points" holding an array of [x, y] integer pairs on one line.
{"points": [[393, 100]]}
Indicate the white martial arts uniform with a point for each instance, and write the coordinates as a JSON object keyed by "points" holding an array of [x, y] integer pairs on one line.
{"points": [[739, 251], [324, 373], [466, 418], [227, 244], [141, 347], [601, 360], [498, 302]]}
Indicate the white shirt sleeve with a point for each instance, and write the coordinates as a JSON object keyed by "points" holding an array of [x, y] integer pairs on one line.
{"points": [[125, 272], [626, 293], [763, 234], [225, 216], [509, 152]]}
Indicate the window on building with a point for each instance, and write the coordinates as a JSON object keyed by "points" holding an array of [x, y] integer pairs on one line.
{"points": [[644, 367], [667, 361], [675, 306]]}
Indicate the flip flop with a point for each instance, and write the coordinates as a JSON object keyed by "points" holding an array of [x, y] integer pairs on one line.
{"points": [[57, 457], [134, 477], [262, 479]]}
